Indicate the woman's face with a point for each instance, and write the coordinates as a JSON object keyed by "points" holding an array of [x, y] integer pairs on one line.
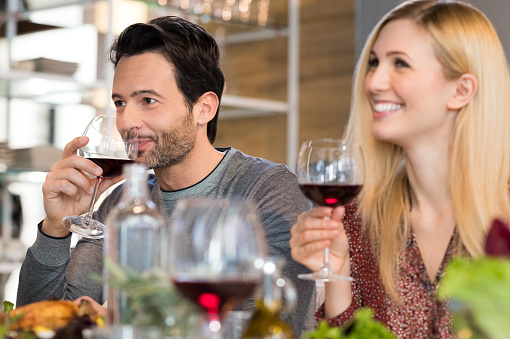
{"points": [[407, 88]]}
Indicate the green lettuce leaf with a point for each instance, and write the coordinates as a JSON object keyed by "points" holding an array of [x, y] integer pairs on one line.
{"points": [[479, 290], [361, 327]]}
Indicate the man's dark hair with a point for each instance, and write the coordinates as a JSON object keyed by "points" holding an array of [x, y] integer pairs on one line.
{"points": [[193, 52]]}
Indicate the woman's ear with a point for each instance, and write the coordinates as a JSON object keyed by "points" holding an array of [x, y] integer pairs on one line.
{"points": [[206, 107], [465, 89]]}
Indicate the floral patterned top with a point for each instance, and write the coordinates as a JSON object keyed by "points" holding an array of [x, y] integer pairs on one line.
{"points": [[419, 314]]}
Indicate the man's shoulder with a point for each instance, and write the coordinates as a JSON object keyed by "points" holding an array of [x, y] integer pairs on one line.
{"points": [[243, 162], [245, 173]]}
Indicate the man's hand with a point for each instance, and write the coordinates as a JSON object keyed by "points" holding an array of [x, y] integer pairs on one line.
{"points": [[100, 310], [68, 188]]}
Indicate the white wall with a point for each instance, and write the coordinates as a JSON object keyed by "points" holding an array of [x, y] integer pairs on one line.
{"points": [[497, 11], [368, 13]]}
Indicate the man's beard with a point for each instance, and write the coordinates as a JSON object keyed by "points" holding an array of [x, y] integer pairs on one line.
{"points": [[172, 146]]}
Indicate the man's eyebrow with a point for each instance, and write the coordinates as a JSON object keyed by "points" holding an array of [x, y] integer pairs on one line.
{"points": [[136, 93], [146, 91]]}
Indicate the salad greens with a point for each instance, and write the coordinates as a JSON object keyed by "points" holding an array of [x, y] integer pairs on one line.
{"points": [[361, 327], [479, 290]]}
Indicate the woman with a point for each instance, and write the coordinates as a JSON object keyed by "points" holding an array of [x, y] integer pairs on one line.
{"points": [[431, 111]]}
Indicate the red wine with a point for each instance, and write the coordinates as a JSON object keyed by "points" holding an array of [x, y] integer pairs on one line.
{"points": [[330, 195], [212, 296], [111, 167]]}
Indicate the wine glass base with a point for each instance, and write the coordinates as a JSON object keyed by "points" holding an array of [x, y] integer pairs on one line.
{"points": [[84, 226], [324, 275]]}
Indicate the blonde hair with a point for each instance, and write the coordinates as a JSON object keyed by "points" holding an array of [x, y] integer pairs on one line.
{"points": [[464, 42]]}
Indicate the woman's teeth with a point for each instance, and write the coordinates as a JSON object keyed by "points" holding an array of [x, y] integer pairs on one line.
{"points": [[387, 107]]}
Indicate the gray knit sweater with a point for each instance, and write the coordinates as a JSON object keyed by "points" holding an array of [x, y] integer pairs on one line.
{"points": [[51, 269]]}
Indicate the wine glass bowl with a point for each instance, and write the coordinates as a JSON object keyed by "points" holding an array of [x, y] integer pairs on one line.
{"points": [[216, 254], [112, 144], [330, 173]]}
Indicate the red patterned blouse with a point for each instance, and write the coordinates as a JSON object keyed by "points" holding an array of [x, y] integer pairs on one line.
{"points": [[419, 314]]}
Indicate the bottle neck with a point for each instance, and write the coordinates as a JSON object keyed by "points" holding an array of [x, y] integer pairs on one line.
{"points": [[135, 186], [271, 293]]}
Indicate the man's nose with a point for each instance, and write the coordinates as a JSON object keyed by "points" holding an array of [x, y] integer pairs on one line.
{"points": [[132, 117]]}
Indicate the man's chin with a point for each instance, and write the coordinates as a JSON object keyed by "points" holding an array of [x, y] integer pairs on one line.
{"points": [[141, 159]]}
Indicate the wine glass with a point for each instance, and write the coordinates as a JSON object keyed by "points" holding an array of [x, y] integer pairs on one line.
{"points": [[330, 173], [112, 144], [216, 255]]}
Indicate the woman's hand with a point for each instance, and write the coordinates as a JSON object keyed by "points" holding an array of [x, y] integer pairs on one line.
{"points": [[68, 188], [315, 230]]}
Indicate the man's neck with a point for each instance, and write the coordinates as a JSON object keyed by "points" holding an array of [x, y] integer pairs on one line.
{"points": [[197, 165]]}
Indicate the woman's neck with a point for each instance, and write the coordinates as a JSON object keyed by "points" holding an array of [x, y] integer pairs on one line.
{"points": [[432, 215], [428, 171]]}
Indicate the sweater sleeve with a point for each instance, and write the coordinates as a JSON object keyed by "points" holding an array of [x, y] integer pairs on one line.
{"points": [[52, 270], [42, 274], [280, 201]]}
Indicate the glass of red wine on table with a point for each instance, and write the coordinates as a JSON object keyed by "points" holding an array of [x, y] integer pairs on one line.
{"points": [[216, 254], [112, 144], [330, 173]]}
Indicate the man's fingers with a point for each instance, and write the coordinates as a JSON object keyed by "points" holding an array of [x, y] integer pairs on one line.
{"points": [[72, 147], [77, 162], [72, 176]]}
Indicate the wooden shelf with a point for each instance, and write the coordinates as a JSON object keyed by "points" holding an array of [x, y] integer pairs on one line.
{"points": [[237, 33], [25, 75]]}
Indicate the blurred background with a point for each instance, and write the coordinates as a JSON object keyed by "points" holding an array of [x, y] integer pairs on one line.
{"points": [[288, 67]]}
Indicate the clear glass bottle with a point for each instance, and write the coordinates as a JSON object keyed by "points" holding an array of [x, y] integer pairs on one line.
{"points": [[267, 322], [135, 236]]}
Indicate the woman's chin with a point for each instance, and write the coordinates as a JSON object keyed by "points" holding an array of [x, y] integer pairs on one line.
{"points": [[381, 134]]}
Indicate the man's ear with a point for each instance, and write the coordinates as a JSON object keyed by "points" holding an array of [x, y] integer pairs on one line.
{"points": [[465, 89], [206, 107]]}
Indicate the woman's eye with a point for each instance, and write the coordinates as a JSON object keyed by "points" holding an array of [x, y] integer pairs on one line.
{"points": [[119, 103], [373, 62], [401, 63], [148, 101]]}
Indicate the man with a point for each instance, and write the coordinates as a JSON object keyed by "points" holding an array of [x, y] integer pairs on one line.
{"points": [[168, 82]]}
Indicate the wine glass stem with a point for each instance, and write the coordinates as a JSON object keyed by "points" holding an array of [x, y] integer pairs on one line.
{"points": [[94, 195], [325, 260], [325, 264]]}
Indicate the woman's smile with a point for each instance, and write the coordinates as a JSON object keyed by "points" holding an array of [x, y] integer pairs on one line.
{"points": [[385, 109]]}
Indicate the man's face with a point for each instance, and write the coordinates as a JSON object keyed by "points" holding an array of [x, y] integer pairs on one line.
{"points": [[145, 92]]}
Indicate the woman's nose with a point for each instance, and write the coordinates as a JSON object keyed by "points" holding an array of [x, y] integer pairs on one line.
{"points": [[377, 80]]}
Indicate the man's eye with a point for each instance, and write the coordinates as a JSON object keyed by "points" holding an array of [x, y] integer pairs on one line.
{"points": [[148, 101], [119, 103]]}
